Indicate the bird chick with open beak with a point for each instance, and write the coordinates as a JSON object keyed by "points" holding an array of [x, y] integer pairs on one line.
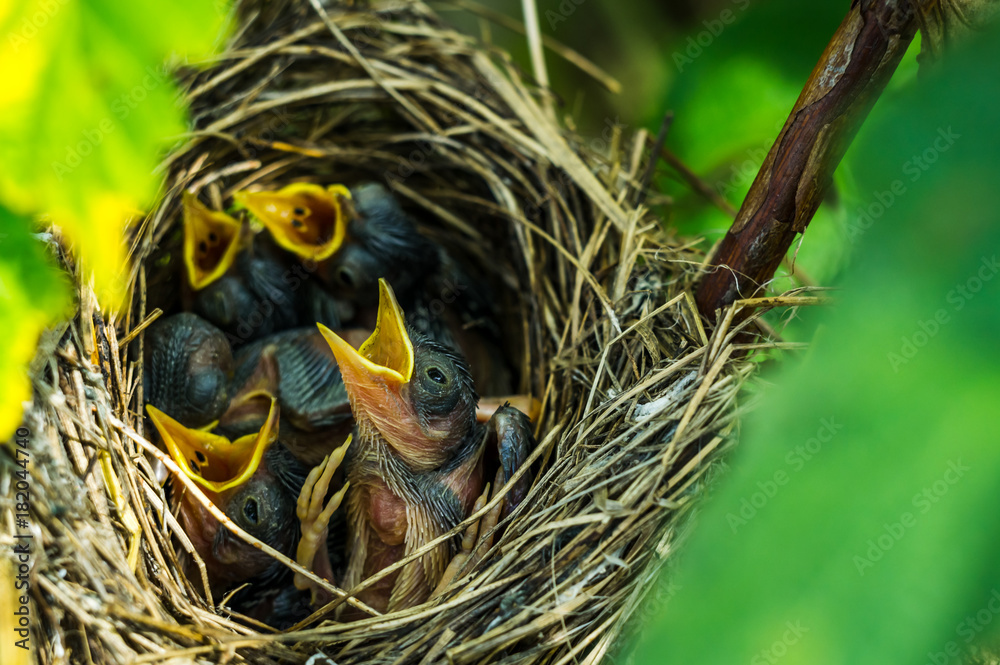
{"points": [[262, 489], [188, 366], [304, 218], [298, 368], [352, 236], [242, 283], [240, 477], [441, 299], [381, 242], [416, 467]]}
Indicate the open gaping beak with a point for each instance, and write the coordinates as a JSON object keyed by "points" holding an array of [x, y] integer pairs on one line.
{"points": [[304, 218], [213, 461], [211, 242], [376, 373]]}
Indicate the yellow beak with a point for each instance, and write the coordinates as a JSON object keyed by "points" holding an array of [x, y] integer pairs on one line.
{"points": [[211, 242], [304, 218], [376, 372], [387, 354], [211, 460]]}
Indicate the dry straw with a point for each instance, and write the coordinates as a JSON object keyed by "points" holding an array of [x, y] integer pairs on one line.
{"points": [[639, 394]]}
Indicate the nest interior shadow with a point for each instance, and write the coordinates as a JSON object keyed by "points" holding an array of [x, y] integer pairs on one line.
{"points": [[638, 394]]}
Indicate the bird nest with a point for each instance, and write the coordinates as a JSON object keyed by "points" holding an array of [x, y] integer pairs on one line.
{"points": [[638, 393]]}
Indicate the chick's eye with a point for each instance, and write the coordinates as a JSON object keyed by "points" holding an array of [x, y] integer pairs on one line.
{"points": [[345, 277], [250, 510], [436, 375]]}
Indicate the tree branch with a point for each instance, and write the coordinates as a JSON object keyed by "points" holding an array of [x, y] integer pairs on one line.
{"points": [[843, 87]]}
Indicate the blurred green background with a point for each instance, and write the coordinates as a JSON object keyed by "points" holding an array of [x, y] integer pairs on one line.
{"points": [[857, 524], [729, 70]]}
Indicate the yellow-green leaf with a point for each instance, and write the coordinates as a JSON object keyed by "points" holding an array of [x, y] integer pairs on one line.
{"points": [[33, 294], [88, 108]]}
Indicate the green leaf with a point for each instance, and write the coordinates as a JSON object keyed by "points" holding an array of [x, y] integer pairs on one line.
{"points": [[33, 295], [857, 525], [89, 109]]}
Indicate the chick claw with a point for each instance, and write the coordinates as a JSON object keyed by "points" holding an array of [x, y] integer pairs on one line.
{"points": [[314, 518]]}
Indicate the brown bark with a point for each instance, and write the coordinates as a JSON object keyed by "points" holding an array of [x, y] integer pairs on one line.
{"points": [[795, 176]]}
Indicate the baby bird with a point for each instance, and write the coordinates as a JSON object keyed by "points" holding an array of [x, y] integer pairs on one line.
{"points": [[381, 242], [375, 239], [266, 492], [298, 368], [416, 467], [241, 477], [305, 219], [243, 283]]}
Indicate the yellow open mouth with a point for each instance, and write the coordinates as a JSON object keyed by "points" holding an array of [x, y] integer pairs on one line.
{"points": [[386, 356], [211, 460], [211, 242], [306, 219]]}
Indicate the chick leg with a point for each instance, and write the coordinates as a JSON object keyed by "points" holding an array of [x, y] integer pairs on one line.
{"points": [[314, 518], [476, 540]]}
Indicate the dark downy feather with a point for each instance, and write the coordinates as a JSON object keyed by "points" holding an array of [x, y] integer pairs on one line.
{"points": [[188, 363]]}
